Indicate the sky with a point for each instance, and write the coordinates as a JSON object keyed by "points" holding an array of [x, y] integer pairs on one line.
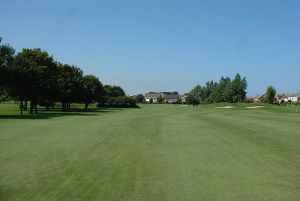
{"points": [[164, 45]]}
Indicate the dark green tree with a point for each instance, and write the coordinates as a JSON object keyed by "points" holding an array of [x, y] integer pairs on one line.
{"points": [[122, 101], [223, 88], [237, 90], [140, 98], [50, 85], [70, 82], [270, 95], [6, 60], [6, 55], [213, 95], [41, 71], [197, 93], [114, 91], [25, 80], [223, 91], [191, 100], [92, 90], [160, 100], [111, 91]]}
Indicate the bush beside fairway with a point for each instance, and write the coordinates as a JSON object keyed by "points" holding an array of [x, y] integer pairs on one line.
{"points": [[157, 152]]}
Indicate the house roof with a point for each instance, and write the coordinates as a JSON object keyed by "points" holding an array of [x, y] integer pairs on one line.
{"points": [[279, 96], [183, 96], [291, 95], [170, 96], [165, 95], [294, 95], [152, 95], [260, 96]]}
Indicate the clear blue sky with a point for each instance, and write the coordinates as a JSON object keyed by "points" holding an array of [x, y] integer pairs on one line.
{"points": [[160, 45]]}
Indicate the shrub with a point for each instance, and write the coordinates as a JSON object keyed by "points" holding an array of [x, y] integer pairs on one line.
{"points": [[270, 95], [249, 100], [263, 100], [140, 98], [161, 100], [179, 101], [120, 102]]}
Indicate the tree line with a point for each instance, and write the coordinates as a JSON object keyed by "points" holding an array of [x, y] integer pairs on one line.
{"points": [[33, 77], [226, 90]]}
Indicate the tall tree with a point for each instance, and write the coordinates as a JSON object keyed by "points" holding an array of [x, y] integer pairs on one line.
{"points": [[25, 80], [37, 68], [223, 88], [237, 90], [70, 85], [191, 100], [114, 91], [92, 90], [270, 95], [223, 91], [111, 91], [6, 54], [212, 92], [197, 93], [6, 60], [49, 83]]}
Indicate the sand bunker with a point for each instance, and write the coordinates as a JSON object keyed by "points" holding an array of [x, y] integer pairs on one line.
{"points": [[225, 107], [254, 107]]}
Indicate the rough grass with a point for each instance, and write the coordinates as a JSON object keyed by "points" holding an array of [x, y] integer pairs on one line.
{"points": [[157, 152]]}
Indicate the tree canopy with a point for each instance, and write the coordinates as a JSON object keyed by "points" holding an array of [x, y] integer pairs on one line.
{"points": [[140, 98], [226, 90], [114, 91], [33, 76], [92, 89], [6, 59], [270, 94]]}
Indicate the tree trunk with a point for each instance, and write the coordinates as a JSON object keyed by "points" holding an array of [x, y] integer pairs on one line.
{"points": [[35, 107], [25, 105], [63, 106], [21, 107], [86, 106], [31, 107]]}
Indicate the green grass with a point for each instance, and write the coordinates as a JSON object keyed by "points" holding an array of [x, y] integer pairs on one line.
{"points": [[157, 152]]}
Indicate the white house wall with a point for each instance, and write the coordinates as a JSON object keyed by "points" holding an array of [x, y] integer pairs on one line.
{"points": [[148, 100], [293, 99]]}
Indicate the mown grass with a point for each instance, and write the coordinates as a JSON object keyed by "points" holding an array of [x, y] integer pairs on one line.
{"points": [[157, 152]]}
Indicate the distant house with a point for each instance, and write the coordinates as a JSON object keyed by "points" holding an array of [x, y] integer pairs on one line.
{"points": [[259, 98], [183, 98], [292, 97], [285, 98], [249, 99], [168, 97], [154, 96], [279, 97]]}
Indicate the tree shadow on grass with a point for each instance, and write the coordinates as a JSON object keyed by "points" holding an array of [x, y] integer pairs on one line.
{"points": [[44, 114]]}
